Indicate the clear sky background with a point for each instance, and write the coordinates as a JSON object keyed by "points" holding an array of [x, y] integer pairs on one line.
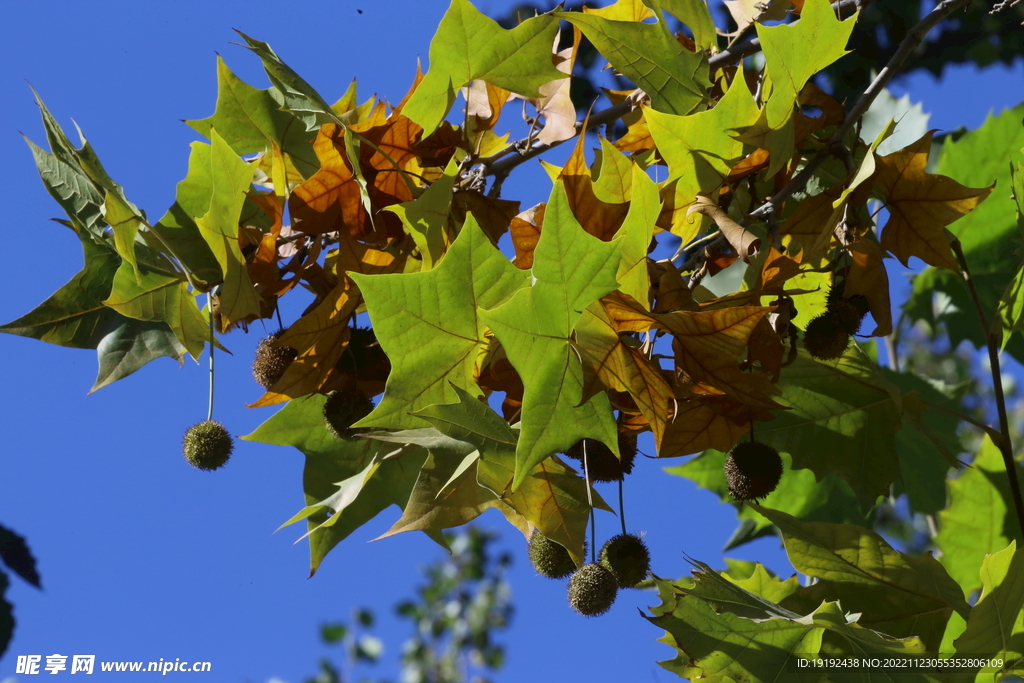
{"points": [[143, 557]]}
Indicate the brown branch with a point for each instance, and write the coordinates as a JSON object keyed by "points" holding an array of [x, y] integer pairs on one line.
{"points": [[502, 163], [909, 43], [1005, 445]]}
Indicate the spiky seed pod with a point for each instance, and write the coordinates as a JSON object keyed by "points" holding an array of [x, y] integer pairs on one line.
{"points": [[550, 559], [627, 558], [601, 462], [592, 590], [850, 312], [271, 361], [753, 470], [207, 445], [342, 409], [825, 337]]}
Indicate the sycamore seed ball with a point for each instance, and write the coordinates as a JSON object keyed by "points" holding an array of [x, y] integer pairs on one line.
{"points": [[592, 590], [753, 470], [825, 337], [207, 445], [271, 361], [601, 462], [627, 558], [849, 313], [343, 409], [550, 559]]}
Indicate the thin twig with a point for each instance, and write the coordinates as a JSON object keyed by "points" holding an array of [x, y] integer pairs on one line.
{"points": [[910, 42], [1005, 445]]}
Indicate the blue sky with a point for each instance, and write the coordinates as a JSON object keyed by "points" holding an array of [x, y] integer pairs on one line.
{"points": [[143, 557]]}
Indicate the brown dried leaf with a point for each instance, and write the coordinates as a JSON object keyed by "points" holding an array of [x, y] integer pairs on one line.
{"points": [[921, 205]]}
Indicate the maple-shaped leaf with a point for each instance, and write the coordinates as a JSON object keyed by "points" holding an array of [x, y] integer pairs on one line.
{"points": [[469, 45], [75, 316], [701, 148], [571, 270], [651, 57], [843, 418], [704, 422], [708, 345], [230, 178], [979, 519], [430, 324], [921, 205], [849, 554], [995, 628], [344, 477], [551, 496], [252, 121], [159, 297]]}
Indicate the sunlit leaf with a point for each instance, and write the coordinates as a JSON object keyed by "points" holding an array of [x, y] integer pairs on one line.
{"points": [[571, 270], [468, 46]]}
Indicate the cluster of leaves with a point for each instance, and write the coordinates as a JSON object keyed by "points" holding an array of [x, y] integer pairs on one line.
{"points": [[587, 333], [464, 602]]}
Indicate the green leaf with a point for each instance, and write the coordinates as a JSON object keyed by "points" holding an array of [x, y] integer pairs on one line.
{"points": [[713, 644], [470, 46], [426, 216], [793, 54], [702, 147], [797, 51], [230, 178], [860, 558], [842, 419], [251, 121], [332, 464], [81, 200], [163, 298], [1010, 314], [799, 493], [927, 445], [178, 229], [651, 57], [637, 230], [995, 628], [552, 497], [130, 345], [695, 14], [979, 520], [729, 596], [290, 90], [571, 270], [430, 325], [445, 497], [125, 221], [74, 315]]}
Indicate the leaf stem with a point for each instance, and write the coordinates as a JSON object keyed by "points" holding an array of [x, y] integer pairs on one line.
{"points": [[622, 509], [1005, 445], [590, 501], [213, 343]]}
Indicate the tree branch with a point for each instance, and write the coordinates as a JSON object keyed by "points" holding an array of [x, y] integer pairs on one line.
{"points": [[1005, 445]]}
